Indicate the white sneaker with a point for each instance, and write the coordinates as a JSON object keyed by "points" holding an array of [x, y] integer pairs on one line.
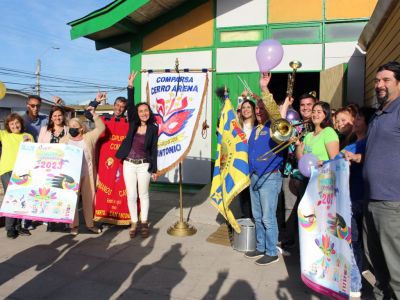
{"points": [[355, 294]]}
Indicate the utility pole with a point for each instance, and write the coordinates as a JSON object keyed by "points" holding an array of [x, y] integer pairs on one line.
{"points": [[37, 73]]}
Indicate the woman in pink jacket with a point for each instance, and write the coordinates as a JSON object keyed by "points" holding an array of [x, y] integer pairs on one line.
{"points": [[56, 128]]}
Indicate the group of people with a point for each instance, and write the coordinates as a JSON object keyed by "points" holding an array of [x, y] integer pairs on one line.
{"points": [[364, 136], [138, 150], [368, 139]]}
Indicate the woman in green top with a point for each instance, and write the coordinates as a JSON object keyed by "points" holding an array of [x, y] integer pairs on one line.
{"points": [[323, 142], [11, 138]]}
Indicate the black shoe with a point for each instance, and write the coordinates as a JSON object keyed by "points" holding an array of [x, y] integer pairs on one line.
{"points": [[288, 244], [23, 231], [12, 234], [106, 225], [266, 260], [254, 254], [65, 226], [50, 227]]}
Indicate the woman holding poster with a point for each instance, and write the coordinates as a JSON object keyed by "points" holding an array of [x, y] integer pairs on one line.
{"points": [[139, 151], [79, 137], [55, 129], [11, 139]]}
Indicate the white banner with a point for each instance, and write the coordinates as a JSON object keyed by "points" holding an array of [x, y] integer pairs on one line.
{"points": [[176, 101], [325, 235], [44, 184]]}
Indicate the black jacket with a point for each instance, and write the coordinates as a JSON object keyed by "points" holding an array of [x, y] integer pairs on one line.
{"points": [[150, 141], [94, 104]]}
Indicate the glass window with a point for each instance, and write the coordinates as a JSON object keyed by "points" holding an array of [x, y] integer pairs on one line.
{"points": [[343, 31], [296, 33], [4, 112], [240, 36]]}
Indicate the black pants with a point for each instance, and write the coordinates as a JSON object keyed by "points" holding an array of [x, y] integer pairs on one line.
{"points": [[11, 223], [245, 203]]}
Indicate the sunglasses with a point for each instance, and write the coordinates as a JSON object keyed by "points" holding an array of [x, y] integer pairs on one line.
{"points": [[33, 105], [238, 110]]}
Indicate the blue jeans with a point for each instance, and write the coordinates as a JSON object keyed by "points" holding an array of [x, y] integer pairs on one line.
{"points": [[356, 266], [264, 193]]}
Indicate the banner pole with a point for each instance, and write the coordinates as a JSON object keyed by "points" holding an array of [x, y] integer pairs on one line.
{"points": [[180, 190], [181, 228]]}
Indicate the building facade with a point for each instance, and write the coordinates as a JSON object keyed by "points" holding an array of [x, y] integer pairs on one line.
{"points": [[224, 34]]}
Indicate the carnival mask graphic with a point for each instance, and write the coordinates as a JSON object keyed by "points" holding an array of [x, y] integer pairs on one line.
{"points": [[171, 115]]}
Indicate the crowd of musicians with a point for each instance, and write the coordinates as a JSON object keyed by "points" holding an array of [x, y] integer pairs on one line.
{"points": [[368, 138]]}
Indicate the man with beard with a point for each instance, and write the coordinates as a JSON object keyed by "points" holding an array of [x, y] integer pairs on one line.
{"points": [[381, 223]]}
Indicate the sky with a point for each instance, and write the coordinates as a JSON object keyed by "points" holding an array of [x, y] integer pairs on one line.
{"points": [[29, 27]]}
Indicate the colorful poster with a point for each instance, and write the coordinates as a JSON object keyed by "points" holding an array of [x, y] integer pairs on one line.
{"points": [[44, 184], [111, 200], [324, 226], [231, 171], [176, 101]]}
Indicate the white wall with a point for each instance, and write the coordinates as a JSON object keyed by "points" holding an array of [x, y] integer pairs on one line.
{"points": [[243, 59], [347, 52], [241, 12], [196, 168]]}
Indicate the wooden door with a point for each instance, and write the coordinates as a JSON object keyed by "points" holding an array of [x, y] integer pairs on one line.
{"points": [[333, 85]]}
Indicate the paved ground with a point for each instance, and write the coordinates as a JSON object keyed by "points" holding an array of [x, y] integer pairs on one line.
{"points": [[111, 265]]}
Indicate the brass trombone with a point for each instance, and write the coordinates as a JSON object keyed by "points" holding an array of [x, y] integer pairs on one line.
{"points": [[281, 130]]}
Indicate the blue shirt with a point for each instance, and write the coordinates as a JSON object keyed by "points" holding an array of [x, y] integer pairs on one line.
{"points": [[356, 170], [33, 126], [259, 147], [382, 163]]}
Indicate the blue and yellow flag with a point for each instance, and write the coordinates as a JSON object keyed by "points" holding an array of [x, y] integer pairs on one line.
{"points": [[231, 172]]}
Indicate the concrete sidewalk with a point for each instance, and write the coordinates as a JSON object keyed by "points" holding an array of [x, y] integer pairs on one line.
{"points": [[111, 265]]}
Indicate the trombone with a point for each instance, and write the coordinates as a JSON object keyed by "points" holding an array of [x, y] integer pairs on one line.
{"points": [[281, 129]]}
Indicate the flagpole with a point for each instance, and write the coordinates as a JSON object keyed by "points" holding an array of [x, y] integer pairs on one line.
{"points": [[181, 228]]}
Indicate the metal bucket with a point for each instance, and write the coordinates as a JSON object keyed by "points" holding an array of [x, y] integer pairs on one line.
{"points": [[246, 240]]}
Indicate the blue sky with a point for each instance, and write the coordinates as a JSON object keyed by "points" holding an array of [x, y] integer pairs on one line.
{"points": [[29, 27]]}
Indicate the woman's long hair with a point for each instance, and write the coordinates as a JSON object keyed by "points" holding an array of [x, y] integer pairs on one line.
{"points": [[253, 114], [50, 124], [326, 108], [136, 119]]}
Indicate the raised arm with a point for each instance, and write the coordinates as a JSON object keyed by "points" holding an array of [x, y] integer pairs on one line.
{"points": [[100, 97], [98, 122], [131, 96]]}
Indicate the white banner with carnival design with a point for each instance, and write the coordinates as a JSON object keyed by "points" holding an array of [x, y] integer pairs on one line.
{"points": [[176, 101], [325, 235], [44, 184]]}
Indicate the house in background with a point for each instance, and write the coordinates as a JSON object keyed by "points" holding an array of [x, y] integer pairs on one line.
{"points": [[224, 34], [15, 102], [381, 40]]}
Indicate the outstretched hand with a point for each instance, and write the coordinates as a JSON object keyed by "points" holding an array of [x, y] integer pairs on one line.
{"points": [[100, 97], [92, 111], [57, 100], [264, 81], [131, 78]]}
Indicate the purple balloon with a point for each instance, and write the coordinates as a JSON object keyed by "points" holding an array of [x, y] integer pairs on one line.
{"points": [[269, 54], [306, 163], [292, 115]]}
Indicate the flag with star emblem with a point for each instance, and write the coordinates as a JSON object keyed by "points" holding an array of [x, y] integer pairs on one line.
{"points": [[176, 101], [231, 171]]}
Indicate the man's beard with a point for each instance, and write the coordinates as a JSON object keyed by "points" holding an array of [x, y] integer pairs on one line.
{"points": [[382, 100]]}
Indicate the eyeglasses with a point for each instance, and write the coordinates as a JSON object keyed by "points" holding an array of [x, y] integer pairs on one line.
{"points": [[33, 105]]}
